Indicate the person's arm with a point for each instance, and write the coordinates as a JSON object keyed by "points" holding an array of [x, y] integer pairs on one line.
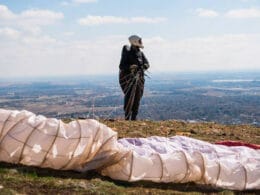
{"points": [[146, 63], [124, 59]]}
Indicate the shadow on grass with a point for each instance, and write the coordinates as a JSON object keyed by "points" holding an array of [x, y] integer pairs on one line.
{"points": [[90, 175]]}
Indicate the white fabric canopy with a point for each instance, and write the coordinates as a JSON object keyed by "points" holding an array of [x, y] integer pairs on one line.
{"points": [[87, 144]]}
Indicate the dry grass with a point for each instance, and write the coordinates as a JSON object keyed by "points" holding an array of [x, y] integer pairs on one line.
{"points": [[211, 132]]}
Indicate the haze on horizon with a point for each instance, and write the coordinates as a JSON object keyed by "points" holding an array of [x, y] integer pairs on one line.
{"points": [[84, 37]]}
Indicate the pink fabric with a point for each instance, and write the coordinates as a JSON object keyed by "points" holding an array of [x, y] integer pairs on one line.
{"points": [[239, 143]]}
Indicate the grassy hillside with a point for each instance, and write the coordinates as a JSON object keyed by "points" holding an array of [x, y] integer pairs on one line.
{"points": [[31, 180]]}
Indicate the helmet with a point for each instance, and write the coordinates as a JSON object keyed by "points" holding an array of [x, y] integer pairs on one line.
{"points": [[136, 41]]}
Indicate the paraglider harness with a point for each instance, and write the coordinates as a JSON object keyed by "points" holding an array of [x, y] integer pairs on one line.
{"points": [[139, 71], [134, 91]]}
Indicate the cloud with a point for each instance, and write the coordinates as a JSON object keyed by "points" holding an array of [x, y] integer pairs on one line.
{"points": [[9, 33], [68, 33], [46, 56], [99, 20], [226, 52], [246, 1], [45, 15], [30, 20], [76, 2], [243, 13], [84, 1], [206, 13], [40, 40], [234, 13], [65, 3], [147, 20], [5, 13]]}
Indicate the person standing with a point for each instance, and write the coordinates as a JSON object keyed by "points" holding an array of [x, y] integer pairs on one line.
{"points": [[133, 63]]}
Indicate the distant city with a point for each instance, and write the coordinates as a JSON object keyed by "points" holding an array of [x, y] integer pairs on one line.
{"points": [[227, 98]]}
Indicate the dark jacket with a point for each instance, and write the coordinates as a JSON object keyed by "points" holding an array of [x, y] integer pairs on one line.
{"points": [[132, 55]]}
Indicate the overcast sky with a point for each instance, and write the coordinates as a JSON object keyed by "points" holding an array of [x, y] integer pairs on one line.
{"points": [[82, 37]]}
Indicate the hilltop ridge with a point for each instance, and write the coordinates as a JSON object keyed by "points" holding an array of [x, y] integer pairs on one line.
{"points": [[207, 131]]}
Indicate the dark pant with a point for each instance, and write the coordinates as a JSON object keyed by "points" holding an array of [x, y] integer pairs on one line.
{"points": [[132, 85]]}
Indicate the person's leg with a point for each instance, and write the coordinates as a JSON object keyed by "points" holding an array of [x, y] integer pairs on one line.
{"points": [[138, 96], [126, 83], [129, 99], [126, 107]]}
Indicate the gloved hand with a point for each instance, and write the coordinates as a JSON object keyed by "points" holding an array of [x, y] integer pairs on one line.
{"points": [[133, 68], [146, 66]]}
